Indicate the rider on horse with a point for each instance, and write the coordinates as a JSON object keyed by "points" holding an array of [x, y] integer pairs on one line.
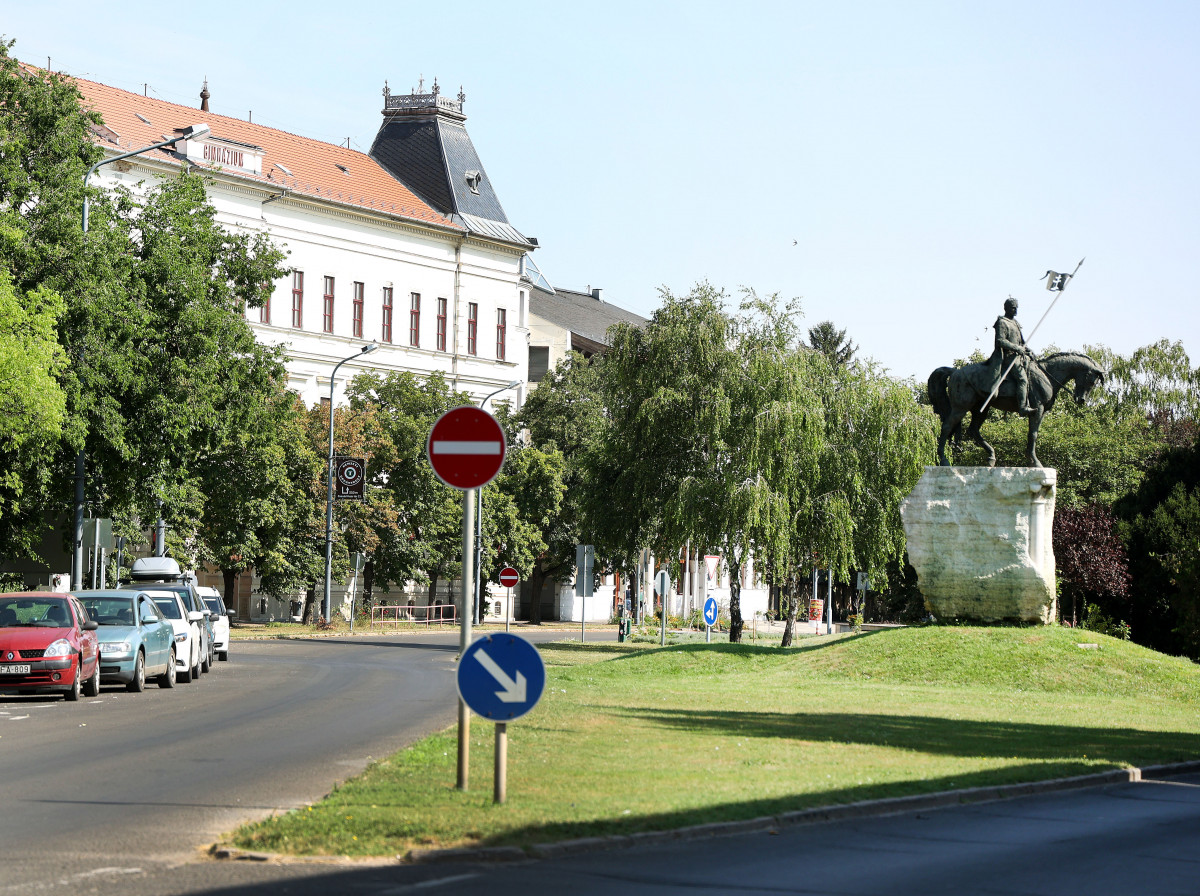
{"points": [[1010, 347]]}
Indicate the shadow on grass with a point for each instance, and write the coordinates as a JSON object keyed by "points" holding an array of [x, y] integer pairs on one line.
{"points": [[927, 734]]}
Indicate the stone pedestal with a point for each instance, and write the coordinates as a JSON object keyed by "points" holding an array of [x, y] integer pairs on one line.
{"points": [[980, 541]]}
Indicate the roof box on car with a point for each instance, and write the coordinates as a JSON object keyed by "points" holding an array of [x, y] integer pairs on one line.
{"points": [[156, 569]]}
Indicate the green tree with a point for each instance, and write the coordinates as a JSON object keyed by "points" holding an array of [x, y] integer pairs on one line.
{"points": [[832, 343], [564, 414], [32, 408]]}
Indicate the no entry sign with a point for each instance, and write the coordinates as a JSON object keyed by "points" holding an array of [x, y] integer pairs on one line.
{"points": [[509, 577], [466, 448]]}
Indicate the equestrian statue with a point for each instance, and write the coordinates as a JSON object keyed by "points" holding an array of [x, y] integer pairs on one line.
{"points": [[1012, 379]]}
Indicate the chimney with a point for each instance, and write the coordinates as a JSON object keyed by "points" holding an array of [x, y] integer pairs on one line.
{"points": [[596, 294], [204, 95]]}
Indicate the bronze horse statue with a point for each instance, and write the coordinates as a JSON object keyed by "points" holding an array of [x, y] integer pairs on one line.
{"points": [[958, 391]]}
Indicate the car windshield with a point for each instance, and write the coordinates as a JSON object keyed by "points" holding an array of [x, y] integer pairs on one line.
{"points": [[169, 607], [50, 612], [214, 603], [109, 610]]}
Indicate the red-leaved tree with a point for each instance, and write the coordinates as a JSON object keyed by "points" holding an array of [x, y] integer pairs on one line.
{"points": [[1092, 563]]}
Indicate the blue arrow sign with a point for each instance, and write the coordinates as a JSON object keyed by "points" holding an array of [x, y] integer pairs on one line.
{"points": [[710, 612], [501, 677]]}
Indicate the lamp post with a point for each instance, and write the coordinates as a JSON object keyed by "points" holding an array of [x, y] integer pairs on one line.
{"points": [[476, 609], [366, 349], [188, 133]]}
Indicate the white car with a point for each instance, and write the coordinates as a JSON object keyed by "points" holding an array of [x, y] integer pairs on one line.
{"points": [[189, 645], [220, 619]]}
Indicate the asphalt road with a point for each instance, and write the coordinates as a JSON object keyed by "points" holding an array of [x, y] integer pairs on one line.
{"points": [[138, 783], [119, 794]]}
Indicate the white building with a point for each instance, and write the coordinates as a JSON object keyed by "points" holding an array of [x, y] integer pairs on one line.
{"points": [[407, 245]]}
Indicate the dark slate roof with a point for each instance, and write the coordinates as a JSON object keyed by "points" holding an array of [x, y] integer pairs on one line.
{"points": [[580, 313], [431, 153]]}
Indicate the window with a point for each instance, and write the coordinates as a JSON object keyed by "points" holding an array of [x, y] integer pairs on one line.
{"points": [[327, 307], [298, 299], [358, 309], [414, 320], [441, 325], [539, 362], [501, 326], [387, 314], [472, 328], [264, 310]]}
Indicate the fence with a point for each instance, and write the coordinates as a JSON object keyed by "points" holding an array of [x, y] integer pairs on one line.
{"points": [[395, 614]]}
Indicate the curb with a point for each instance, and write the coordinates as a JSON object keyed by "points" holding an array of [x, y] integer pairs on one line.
{"points": [[767, 823]]}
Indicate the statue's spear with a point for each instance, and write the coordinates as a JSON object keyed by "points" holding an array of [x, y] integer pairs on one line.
{"points": [[1056, 283]]}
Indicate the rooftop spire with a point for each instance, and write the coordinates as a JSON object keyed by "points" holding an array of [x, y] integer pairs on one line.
{"points": [[204, 95]]}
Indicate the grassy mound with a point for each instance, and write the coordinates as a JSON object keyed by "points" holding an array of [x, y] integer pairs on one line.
{"points": [[628, 739]]}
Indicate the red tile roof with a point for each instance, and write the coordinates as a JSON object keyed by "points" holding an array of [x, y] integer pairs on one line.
{"points": [[314, 165]]}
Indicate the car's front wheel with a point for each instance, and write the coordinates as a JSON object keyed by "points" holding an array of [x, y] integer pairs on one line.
{"points": [[138, 683], [167, 679], [91, 688], [72, 693]]}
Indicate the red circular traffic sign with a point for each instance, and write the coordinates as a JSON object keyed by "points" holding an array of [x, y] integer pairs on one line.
{"points": [[509, 577], [466, 447]]}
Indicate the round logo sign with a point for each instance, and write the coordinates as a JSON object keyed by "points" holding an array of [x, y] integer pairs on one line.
{"points": [[466, 447], [509, 577], [349, 471]]}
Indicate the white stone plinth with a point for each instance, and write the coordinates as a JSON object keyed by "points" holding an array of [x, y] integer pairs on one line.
{"points": [[980, 541]]}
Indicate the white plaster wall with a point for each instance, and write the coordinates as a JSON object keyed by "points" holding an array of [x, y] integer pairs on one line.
{"points": [[351, 245]]}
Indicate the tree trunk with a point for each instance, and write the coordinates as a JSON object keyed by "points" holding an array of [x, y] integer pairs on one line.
{"points": [[734, 562], [368, 582], [229, 577], [536, 581], [432, 592], [789, 630]]}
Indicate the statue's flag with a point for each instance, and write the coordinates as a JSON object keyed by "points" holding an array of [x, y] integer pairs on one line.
{"points": [[1056, 282]]}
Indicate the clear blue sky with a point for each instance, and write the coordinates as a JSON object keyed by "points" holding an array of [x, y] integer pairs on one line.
{"points": [[900, 167]]}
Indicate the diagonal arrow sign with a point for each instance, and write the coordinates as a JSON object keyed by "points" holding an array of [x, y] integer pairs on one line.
{"points": [[513, 691]]}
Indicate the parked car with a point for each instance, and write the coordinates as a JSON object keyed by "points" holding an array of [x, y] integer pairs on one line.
{"points": [[220, 618], [187, 626], [163, 574], [136, 640], [48, 643]]}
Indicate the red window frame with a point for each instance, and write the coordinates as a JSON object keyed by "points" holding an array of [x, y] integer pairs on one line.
{"points": [[298, 299], [501, 327], [358, 310], [472, 328], [414, 320], [387, 314], [327, 306], [441, 324]]}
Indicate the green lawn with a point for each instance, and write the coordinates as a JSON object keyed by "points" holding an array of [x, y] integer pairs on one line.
{"points": [[632, 738]]}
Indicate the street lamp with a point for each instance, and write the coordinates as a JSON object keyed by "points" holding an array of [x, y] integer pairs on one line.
{"points": [[476, 609], [188, 133], [366, 349]]}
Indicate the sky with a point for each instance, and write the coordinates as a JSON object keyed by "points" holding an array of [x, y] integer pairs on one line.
{"points": [[901, 168]]}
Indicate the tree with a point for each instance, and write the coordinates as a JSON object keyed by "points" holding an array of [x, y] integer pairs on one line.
{"points": [[32, 407], [1160, 525], [832, 343], [564, 414], [1091, 561]]}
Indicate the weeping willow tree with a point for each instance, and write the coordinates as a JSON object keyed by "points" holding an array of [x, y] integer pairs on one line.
{"points": [[723, 429]]}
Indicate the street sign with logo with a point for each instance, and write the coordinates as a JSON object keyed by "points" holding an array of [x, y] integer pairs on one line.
{"points": [[350, 473], [710, 612], [662, 582], [466, 448], [509, 577], [501, 677]]}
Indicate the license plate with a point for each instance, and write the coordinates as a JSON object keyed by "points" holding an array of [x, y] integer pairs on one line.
{"points": [[14, 670]]}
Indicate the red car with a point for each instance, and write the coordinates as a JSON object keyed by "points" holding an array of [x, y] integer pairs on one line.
{"points": [[47, 643]]}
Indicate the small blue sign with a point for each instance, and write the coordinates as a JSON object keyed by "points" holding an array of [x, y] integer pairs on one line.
{"points": [[710, 612], [501, 677]]}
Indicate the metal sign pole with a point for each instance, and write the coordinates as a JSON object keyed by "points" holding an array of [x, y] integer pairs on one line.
{"points": [[500, 772], [464, 640]]}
